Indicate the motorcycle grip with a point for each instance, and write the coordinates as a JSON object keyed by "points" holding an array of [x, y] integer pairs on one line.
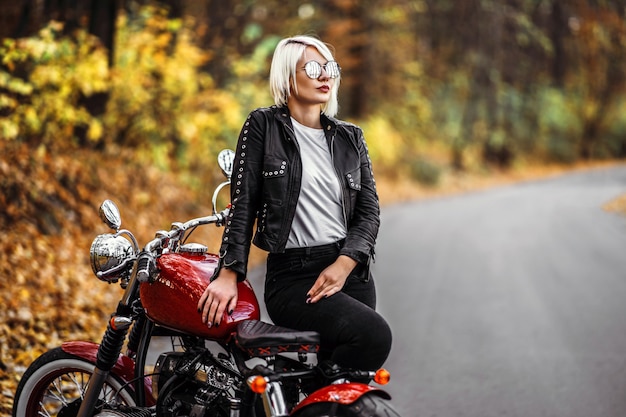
{"points": [[145, 267]]}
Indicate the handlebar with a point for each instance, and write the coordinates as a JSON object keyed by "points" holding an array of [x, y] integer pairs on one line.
{"points": [[178, 230], [146, 265]]}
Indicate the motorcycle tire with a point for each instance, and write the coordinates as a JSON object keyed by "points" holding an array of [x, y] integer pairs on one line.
{"points": [[366, 406], [55, 383]]}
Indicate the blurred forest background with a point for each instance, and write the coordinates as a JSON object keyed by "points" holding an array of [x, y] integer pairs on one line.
{"points": [[132, 100]]}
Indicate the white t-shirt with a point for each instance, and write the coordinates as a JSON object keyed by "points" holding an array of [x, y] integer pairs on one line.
{"points": [[319, 217]]}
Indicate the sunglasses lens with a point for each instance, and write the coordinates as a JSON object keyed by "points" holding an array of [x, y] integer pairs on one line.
{"points": [[313, 69], [332, 69]]}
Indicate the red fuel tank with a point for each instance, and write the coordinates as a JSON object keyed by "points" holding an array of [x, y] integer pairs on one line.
{"points": [[172, 299]]}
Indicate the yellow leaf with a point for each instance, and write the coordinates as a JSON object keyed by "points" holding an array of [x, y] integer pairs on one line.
{"points": [[24, 294], [95, 130]]}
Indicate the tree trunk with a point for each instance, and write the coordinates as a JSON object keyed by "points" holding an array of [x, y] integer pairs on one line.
{"points": [[102, 17], [558, 32]]}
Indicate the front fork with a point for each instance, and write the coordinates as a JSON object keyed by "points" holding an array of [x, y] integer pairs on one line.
{"points": [[110, 348], [108, 352]]}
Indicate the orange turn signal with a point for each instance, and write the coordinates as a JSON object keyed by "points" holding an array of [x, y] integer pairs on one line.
{"points": [[382, 376], [257, 384]]}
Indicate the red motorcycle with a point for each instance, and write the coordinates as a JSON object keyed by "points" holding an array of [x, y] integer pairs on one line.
{"points": [[243, 368]]}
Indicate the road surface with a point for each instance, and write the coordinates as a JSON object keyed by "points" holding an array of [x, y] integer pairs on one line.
{"points": [[509, 302]]}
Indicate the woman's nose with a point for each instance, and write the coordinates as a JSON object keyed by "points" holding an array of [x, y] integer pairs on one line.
{"points": [[323, 74]]}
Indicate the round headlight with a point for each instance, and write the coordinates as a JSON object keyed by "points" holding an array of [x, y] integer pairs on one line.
{"points": [[108, 251]]}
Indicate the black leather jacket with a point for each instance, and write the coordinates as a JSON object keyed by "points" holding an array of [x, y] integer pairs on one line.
{"points": [[266, 183]]}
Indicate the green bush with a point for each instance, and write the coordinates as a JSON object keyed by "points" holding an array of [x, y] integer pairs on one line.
{"points": [[425, 171], [43, 81], [160, 99], [560, 126]]}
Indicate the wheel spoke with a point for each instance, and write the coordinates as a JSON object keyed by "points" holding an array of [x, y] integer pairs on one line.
{"points": [[80, 386], [43, 412], [57, 384]]}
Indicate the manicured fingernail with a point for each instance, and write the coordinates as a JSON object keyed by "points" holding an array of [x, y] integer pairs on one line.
{"points": [[325, 295], [308, 300], [208, 323], [230, 313]]}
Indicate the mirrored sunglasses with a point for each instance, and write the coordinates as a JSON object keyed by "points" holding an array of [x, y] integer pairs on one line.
{"points": [[313, 69]]}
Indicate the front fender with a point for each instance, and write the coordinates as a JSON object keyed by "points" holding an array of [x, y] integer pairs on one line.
{"points": [[124, 368], [340, 393]]}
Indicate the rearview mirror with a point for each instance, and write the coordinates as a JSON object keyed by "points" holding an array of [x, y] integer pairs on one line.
{"points": [[110, 215], [225, 159]]}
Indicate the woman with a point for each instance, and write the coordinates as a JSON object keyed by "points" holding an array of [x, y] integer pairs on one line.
{"points": [[306, 179]]}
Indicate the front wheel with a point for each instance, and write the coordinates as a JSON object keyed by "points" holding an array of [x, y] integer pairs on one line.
{"points": [[370, 405], [55, 384]]}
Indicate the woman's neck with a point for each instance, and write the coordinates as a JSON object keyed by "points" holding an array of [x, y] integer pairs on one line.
{"points": [[307, 116]]}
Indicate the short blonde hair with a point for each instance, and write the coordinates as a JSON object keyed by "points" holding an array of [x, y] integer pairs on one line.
{"points": [[283, 70]]}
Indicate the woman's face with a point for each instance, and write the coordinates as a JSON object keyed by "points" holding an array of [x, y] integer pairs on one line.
{"points": [[311, 91]]}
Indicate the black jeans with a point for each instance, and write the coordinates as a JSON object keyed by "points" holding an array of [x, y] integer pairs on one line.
{"points": [[353, 334]]}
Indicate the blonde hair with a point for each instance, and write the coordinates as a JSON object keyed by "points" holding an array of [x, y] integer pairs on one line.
{"points": [[283, 70]]}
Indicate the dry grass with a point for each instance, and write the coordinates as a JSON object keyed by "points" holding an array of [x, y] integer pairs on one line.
{"points": [[618, 205]]}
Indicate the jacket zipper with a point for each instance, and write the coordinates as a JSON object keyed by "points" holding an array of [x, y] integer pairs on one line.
{"points": [[341, 186], [292, 139]]}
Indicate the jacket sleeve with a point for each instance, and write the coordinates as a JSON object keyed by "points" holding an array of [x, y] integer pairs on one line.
{"points": [[246, 183], [365, 221]]}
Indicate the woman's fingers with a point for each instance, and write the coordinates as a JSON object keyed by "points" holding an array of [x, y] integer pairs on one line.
{"points": [[332, 279], [220, 295], [330, 282], [207, 317]]}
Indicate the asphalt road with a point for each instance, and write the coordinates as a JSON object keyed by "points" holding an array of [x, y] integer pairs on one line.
{"points": [[509, 302]]}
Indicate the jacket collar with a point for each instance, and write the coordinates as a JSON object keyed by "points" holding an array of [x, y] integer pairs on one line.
{"points": [[328, 123]]}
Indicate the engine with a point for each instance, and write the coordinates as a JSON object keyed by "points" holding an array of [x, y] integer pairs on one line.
{"points": [[195, 385]]}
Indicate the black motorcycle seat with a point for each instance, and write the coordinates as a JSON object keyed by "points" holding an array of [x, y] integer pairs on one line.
{"points": [[263, 339]]}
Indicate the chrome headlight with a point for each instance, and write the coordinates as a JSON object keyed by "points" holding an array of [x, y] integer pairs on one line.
{"points": [[108, 251]]}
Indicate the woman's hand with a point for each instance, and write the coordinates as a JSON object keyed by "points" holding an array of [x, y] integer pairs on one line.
{"points": [[332, 279], [220, 296]]}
